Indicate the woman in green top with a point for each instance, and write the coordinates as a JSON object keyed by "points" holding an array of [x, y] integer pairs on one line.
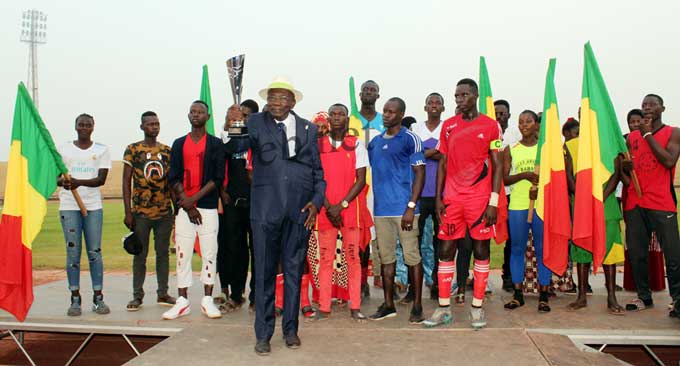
{"points": [[519, 175]]}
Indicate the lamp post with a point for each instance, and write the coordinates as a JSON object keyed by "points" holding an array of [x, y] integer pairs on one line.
{"points": [[33, 32]]}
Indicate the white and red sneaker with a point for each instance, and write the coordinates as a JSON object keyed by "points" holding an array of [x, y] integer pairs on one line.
{"points": [[181, 308], [209, 309]]}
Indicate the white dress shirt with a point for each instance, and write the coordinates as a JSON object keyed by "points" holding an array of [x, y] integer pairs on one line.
{"points": [[290, 133]]}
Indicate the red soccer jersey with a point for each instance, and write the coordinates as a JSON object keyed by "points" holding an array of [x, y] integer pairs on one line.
{"points": [[193, 154], [466, 145], [656, 181]]}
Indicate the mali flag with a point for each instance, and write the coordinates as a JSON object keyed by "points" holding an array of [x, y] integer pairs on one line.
{"points": [[32, 170], [356, 126], [600, 141], [205, 96], [486, 107], [485, 96], [553, 199]]}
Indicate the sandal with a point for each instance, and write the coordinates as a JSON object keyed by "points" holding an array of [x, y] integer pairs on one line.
{"points": [[308, 312], [514, 304], [637, 304], [357, 316], [543, 307], [134, 305], [459, 299], [230, 306], [616, 311], [319, 316]]}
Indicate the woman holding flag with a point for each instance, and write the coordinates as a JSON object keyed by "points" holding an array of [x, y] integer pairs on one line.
{"points": [[519, 175]]}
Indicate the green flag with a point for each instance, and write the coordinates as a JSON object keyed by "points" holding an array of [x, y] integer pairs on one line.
{"points": [[600, 141], [205, 96], [485, 96]]}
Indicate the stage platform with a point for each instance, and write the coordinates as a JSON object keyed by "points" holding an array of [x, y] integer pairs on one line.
{"points": [[522, 336]]}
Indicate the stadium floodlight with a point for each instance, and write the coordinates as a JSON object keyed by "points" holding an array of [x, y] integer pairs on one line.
{"points": [[33, 32]]}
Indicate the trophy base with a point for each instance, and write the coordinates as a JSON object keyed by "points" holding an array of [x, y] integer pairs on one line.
{"points": [[237, 131]]}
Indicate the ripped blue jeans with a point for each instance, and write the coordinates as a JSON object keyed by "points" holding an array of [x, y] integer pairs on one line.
{"points": [[75, 226]]}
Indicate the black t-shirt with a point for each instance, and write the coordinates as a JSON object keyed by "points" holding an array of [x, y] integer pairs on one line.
{"points": [[238, 186]]}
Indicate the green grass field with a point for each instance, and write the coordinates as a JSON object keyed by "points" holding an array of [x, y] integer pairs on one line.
{"points": [[49, 249]]}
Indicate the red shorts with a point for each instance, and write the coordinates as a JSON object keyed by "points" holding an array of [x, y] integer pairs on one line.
{"points": [[465, 214]]}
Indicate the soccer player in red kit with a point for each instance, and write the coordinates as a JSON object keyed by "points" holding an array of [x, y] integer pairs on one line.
{"points": [[466, 198]]}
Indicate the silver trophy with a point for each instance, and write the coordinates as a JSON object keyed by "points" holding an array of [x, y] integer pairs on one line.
{"points": [[235, 69]]}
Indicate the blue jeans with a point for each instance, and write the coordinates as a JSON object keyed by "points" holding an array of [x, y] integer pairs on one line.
{"points": [[426, 253], [519, 235], [401, 272], [74, 226]]}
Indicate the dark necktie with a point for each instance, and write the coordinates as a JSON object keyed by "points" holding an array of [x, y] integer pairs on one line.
{"points": [[281, 127]]}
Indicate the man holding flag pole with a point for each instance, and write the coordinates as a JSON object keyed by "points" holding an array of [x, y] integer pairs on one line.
{"points": [[655, 148], [596, 233]]}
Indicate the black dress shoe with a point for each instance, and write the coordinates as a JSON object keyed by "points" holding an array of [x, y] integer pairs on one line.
{"points": [[263, 348], [292, 341]]}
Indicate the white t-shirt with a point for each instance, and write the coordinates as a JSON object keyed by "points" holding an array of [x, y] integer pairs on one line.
{"points": [[83, 164], [360, 152]]}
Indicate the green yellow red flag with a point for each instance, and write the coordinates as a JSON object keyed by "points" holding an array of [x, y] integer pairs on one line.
{"points": [[32, 171], [207, 98], [553, 198], [485, 95], [356, 126], [486, 107], [600, 141]]}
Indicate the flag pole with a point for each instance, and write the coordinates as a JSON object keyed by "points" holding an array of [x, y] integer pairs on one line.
{"points": [[76, 196], [530, 214], [636, 182]]}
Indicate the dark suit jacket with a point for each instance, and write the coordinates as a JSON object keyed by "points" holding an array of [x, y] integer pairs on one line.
{"points": [[213, 168], [281, 186]]}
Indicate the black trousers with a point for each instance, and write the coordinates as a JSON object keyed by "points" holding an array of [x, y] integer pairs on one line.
{"points": [[285, 242], [232, 252], [427, 209], [640, 222], [506, 259]]}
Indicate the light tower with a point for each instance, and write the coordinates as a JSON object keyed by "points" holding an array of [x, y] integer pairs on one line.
{"points": [[33, 32]]}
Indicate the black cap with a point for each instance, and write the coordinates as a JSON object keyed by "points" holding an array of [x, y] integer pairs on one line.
{"points": [[131, 243]]}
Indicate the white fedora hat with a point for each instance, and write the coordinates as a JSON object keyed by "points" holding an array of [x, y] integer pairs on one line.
{"points": [[281, 82]]}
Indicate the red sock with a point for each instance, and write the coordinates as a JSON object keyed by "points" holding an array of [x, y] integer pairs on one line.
{"points": [[444, 279], [481, 273], [278, 294], [304, 291]]}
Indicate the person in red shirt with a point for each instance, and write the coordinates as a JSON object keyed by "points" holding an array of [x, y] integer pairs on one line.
{"points": [[654, 150], [196, 175], [466, 197], [344, 160], [657, 272]]}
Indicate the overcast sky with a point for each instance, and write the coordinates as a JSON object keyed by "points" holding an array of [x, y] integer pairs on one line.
{"points": [[117, 59]]}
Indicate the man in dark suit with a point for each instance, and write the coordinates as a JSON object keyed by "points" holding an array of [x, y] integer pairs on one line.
{"points": [[287, 192]]}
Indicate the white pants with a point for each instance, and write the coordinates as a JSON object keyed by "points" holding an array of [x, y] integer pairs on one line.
{"points": [[185, 236]]}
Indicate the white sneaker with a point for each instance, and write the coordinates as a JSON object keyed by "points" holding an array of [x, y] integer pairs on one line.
{"points": [[477, 318], [209, 309], [181, 308]]}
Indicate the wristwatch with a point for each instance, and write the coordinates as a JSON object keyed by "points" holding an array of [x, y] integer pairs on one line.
{"points": [[344, 204], [411, 204]]}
